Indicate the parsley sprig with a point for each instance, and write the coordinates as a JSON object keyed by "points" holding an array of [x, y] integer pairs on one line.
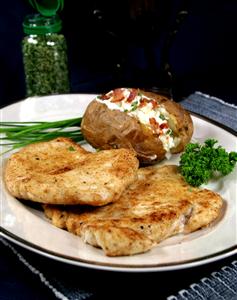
{"points": [[199, 163]]}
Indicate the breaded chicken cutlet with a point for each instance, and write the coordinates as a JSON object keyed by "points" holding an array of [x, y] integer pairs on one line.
{"points": [[158, 205], [62, 172]]}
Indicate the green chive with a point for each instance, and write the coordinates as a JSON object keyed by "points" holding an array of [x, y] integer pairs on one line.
{"points": [[162, 117], [71, 148], [19, 134]]}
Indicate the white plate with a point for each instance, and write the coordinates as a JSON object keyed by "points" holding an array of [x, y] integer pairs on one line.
{"points": [[29, 228]]}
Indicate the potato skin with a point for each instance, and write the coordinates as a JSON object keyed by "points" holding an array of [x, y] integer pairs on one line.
{"points": [[105, 129]]}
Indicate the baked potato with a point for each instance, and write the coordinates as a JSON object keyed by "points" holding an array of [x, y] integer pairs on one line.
{"points": [[151, 124]]}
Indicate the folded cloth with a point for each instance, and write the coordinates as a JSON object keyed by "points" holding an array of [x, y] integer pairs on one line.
{"points": [[218, 281], [219, 285], [213, 108]]}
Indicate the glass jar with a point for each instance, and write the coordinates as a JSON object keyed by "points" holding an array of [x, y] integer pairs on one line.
{"points": [[44, 56]]}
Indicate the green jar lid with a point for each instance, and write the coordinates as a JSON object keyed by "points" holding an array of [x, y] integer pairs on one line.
{"points": [[47, 8], [37, 24]]}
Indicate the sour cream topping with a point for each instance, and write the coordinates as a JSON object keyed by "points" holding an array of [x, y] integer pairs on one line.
{"points": [[147, 110]]}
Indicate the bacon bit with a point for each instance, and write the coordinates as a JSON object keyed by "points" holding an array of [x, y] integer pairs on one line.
{"points": [[104, 97], [154, 104], [132, 95], [163, 125], [143, 102], [154, 123], [117, 95]]}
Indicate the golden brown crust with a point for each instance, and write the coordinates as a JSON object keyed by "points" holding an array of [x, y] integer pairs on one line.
{"points": [[62, 172], [105, 129], [158, 205]]}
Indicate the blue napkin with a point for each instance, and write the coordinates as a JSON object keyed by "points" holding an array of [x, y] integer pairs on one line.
{"points": [[211, 107], [221, 284]]}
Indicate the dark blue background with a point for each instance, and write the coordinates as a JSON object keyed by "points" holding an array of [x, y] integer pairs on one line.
{"points": [[108, 47]]}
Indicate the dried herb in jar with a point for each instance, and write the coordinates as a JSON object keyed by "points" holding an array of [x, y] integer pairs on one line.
{"points": [[44, 56]]}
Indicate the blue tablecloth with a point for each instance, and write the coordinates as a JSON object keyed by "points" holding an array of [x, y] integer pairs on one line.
{"points": [[27, 275]]}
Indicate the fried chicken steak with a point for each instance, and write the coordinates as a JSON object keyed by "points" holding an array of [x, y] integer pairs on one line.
{"points": [[158, 205], [62, 172]]}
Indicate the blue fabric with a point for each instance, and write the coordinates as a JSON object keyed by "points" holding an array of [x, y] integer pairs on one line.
{"points": [[213, 108], [219, 285]]}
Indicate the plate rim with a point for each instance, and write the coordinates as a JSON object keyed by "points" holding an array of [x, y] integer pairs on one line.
{"points": [[185, 264], [123, 268]]}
